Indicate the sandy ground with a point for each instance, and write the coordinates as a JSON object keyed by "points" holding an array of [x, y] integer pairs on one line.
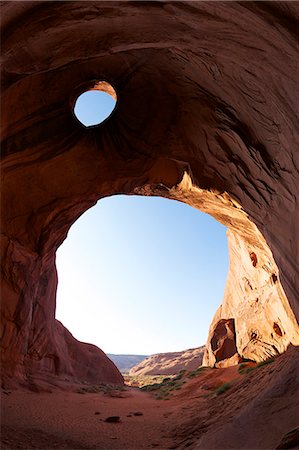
{"points": [[256, 411], [71, 420], [77, 421]]}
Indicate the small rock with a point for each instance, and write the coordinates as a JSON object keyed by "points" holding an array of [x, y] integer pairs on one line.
{"points": [[97, 413], [138, 413], [113, 419]]}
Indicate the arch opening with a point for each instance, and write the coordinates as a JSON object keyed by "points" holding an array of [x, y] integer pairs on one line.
{"points": [[95, 103], [250, 296], [141, 275]]}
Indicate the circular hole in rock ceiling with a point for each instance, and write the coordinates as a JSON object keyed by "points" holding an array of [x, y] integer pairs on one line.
{"points": [[95, 104]]}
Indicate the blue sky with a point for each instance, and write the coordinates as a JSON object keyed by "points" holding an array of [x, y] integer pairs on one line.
{"points": [[141, 275], [93, 107]]}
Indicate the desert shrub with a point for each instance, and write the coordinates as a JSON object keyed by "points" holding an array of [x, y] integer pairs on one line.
{"points": [[166, 379], [162, 395], [145, 380], [172, 382], [241, 367], [180, 375], [209, 395], [223, 388], [179, 385], [163, 390], [196, 372], [244, 369], [151, 387]]}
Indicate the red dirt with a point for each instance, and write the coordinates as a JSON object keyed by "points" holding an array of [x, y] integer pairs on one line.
{"points": [[194, 417], [69, 420]]}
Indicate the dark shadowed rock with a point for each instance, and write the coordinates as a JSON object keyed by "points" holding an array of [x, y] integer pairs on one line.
{"points": [[290, 440], [112, 419]]}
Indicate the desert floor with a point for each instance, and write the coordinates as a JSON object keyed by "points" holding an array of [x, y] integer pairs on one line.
{"points": [[77, 421], [252, 413]]}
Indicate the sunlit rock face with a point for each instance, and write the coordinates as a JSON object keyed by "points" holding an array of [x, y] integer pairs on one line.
{"points": [[263, 325], [207, 114], [169, 363]]}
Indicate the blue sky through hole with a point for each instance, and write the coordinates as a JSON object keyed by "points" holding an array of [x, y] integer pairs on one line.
{"points": [[93, 107], [139, 275]]}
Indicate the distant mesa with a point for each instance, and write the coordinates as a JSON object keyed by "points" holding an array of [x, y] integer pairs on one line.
{"points": [[169, 363], [125, 362]]}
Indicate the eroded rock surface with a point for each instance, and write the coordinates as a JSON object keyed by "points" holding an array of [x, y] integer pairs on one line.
{"points": [[169, 363], [223, 342], [263, 325], [207, 114]]}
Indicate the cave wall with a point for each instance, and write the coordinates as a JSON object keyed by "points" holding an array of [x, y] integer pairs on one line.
{"points": [[207, 109]]}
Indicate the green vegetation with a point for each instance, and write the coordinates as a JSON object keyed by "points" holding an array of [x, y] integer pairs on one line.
{"points": [[196, 372], [180, 375], [244, 369], [145, 380], [264, 363], [218, 391], [223, 388], [163, 389], [241, 367]]}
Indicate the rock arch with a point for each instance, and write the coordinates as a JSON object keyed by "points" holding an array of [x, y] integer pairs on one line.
{"points": [[207, 114]]}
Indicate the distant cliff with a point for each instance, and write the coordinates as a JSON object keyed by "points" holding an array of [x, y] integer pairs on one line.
{"points": [[125, 362], [169, 363]]}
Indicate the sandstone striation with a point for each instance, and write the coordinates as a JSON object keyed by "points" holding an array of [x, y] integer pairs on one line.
{"points": [[207, 114], [169, 363]]}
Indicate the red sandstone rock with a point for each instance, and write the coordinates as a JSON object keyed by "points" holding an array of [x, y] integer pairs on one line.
{"points": [[169, 363], [223, 343], [263, 325], [207, 114]]}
